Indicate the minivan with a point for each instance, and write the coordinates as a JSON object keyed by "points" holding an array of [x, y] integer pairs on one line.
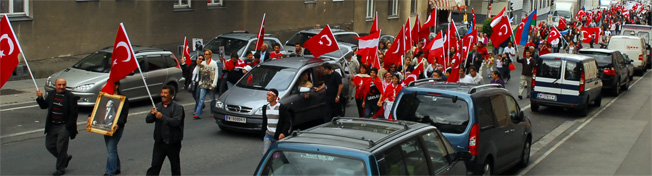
{"points": [[643, 31], [634, 47], [566, 80]]}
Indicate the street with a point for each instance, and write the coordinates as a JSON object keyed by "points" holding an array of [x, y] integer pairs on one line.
{"points": [[613, 139]]}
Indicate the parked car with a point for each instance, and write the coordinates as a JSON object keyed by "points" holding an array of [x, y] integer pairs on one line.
{"points": [[357, 146], [87, 77], [643, 31], [566, 80], [612, 68], [630, 66], [484, 120], [301, 37], [239, 108], [240, 42], [633, 47]]}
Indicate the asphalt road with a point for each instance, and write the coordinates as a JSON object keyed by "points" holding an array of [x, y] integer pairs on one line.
{"points": [[209, 151]]}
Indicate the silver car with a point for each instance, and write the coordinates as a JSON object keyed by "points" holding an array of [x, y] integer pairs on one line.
{"points": [[87, 77]]}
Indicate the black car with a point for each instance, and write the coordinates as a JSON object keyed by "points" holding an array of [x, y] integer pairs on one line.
{"points": [[612, 68]]}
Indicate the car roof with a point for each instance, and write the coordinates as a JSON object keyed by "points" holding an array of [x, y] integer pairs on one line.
{"points": [[625, 37], [355, 133], [334, 30], [449, 88], [571, 57], [638, 26], [599, 50], [137, 49], [242, 35], [293, 62]]}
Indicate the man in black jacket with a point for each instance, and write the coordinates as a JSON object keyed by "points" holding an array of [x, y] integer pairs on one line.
{"points": [[168, 132], [474, 59], [60, 123], [277, 121]]}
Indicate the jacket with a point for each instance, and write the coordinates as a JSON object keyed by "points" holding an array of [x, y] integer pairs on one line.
{"points": [[70, 112], [285, 121], [168, 129], [527, 68]]}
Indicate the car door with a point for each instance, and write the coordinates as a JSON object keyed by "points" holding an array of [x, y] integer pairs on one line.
{"points": [[132, 85], [504, 139], [548, 79], [518, 127], [620, 66], [157, 72], [304, 107], [406, 158], [572, 73], [441, 160]]}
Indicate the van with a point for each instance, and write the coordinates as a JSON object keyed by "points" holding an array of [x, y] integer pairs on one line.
{"points": [[643, 31], [566, 80], [632, 46]]}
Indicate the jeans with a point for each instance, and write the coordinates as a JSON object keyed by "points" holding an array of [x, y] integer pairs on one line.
{"points": [[113, 161], [370, 109], [358, 103], [200, 101], [268, 140]]}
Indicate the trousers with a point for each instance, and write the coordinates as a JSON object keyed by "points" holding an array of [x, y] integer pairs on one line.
{"points": [[56, 141], [526, 85], [162, 150], [113, 161]]}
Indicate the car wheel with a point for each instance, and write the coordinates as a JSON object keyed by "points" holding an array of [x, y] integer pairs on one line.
{"points": [[598, 101], [616, 90], [525, 154], [626, 86], [534, 107], [486, 168], [585, 108]]}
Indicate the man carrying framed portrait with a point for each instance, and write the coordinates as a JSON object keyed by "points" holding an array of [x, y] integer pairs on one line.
{"points": [[109, 118]]}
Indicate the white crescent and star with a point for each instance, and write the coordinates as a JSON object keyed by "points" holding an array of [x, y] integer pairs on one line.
{"points": [[123, 44], [11, 45], [327, 39], [500, 31]]}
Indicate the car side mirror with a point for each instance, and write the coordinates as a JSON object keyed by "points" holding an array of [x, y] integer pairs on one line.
{"points": [[464, 155], [304, 90]]}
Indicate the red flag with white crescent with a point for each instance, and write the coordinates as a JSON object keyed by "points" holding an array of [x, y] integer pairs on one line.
{"points": [[554, 34], [261, 34], [322, 43], [186, 51], [415, 30], [123, 60], [501, 31], [9, 50]]}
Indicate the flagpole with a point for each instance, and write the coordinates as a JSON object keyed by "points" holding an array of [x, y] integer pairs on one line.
{"points": [[30, 70], [138, 64], [21, 51]]}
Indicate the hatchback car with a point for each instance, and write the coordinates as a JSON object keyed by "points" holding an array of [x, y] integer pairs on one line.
{"points": [[87, 77], [302, 36], [240, 42], [484, 120], [357, 146], [612, 68], [239, 108], [566, 80]]}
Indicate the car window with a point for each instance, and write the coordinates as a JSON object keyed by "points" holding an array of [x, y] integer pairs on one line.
{"points": [[96, 62], [590, 69], [270, 46], [318, 76], [268, 77], [437, 152], [573, 71], [303, 82], [156, 62], [230, 45], [500, 109], [483, 112], [602, 58], [298, 38], [406, 159], [629, 32], [549, 68], [170, 60], [306, 163], [644, 35], [447, 115], [512, 106], [348, 38], [143, 67]]}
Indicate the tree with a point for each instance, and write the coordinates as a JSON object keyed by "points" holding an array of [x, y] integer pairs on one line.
{"points": [[486, 27]]}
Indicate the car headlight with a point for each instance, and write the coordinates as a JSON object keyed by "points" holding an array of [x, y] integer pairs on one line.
{"points": [[83, 87], [49, 81], [259, 111], [219, 104]]}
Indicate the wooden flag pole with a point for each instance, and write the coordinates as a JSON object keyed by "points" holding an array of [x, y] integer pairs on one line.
{"points": [[28, 69]]}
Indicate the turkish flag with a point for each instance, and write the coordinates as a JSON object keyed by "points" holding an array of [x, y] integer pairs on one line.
{"points": [[374, 26], [467, 43], [626, 14], [9, 50], [562, 23], [368, 45], [123, 60], [415, 30], [580, 14], [322, 43], [436, 50], [186, 51], [501, 31], [395, 51], [414, 75], [496, 19], [261, 34], [588, 34], [424, 32], [407, 36], [362, 83], [554, 34]]}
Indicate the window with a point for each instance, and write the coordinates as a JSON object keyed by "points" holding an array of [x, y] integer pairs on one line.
{"points": [[447, 115], [406, 159], [549, 69], [436, 150], [156, 62], [483, 109], [268, 77], [393, 8], [182, 4], [305, 163], [14, 7], [370, 9], [171, 60], [413, 6], [215, 3], [310, 1], [500, 109], [512, 107], [573, 71]]}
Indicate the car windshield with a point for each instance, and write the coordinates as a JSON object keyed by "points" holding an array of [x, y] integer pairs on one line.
{"points": [[602, 58], [230, 45], [96, 62], [549, 69], [268, 77], [447, 115], [298, 38], [305, 163], [565, 14], [644, 35]]}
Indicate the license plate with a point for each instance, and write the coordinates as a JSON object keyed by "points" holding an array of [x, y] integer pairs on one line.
{"points": [[235, 119], [547, 97]]}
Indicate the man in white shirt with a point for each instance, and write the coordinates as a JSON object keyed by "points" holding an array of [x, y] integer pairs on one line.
{"points": [[555, 45], [511, 51]]}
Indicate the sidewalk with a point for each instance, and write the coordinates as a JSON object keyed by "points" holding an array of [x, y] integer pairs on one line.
{"points": [[20, 91]]}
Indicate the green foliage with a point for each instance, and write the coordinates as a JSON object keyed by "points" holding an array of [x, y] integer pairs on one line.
{"points": [[486, 26]]}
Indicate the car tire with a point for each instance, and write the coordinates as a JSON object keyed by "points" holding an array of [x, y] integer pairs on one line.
{"points": [[584, 111], [616, 90], [534, 107], [486, 169], [525, 154], [626, 86], [598, 101]]}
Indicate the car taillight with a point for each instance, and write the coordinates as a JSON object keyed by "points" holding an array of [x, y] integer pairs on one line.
{"points": [[640, 57], [609, 71], [534, 76], [582, 82], [473, 140]]}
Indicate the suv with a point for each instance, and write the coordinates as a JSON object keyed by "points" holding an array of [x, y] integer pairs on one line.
{"points": [[301, 37], [239, 108], [612, 68], [485, 120], [237, 41], [87, 77], [358, 146]]}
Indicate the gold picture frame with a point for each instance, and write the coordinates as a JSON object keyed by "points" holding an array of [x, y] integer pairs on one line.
{"points": [[102, 122]]}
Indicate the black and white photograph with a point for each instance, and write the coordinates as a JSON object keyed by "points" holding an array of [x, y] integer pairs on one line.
{"points": [[105, 114]]}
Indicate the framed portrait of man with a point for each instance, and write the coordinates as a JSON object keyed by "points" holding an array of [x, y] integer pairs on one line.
{"points": [[105, 114]]}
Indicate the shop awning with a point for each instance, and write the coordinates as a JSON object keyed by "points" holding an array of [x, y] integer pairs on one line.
{"points": [[449, 4]]}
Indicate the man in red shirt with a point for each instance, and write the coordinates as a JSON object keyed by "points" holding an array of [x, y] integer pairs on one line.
{"points": [[277, 52]]}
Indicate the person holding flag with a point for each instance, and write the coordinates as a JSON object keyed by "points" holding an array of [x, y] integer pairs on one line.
{"points": [[361, 83]]}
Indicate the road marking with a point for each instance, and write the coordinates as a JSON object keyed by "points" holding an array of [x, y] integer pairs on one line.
{"points": [[78, 123], [553, 148], [13, 104], [550, 136], [16, 108]]}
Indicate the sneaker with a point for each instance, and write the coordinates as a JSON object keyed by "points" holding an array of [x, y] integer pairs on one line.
{"points": [[196, 117], [520, 97], [59, 172]]}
